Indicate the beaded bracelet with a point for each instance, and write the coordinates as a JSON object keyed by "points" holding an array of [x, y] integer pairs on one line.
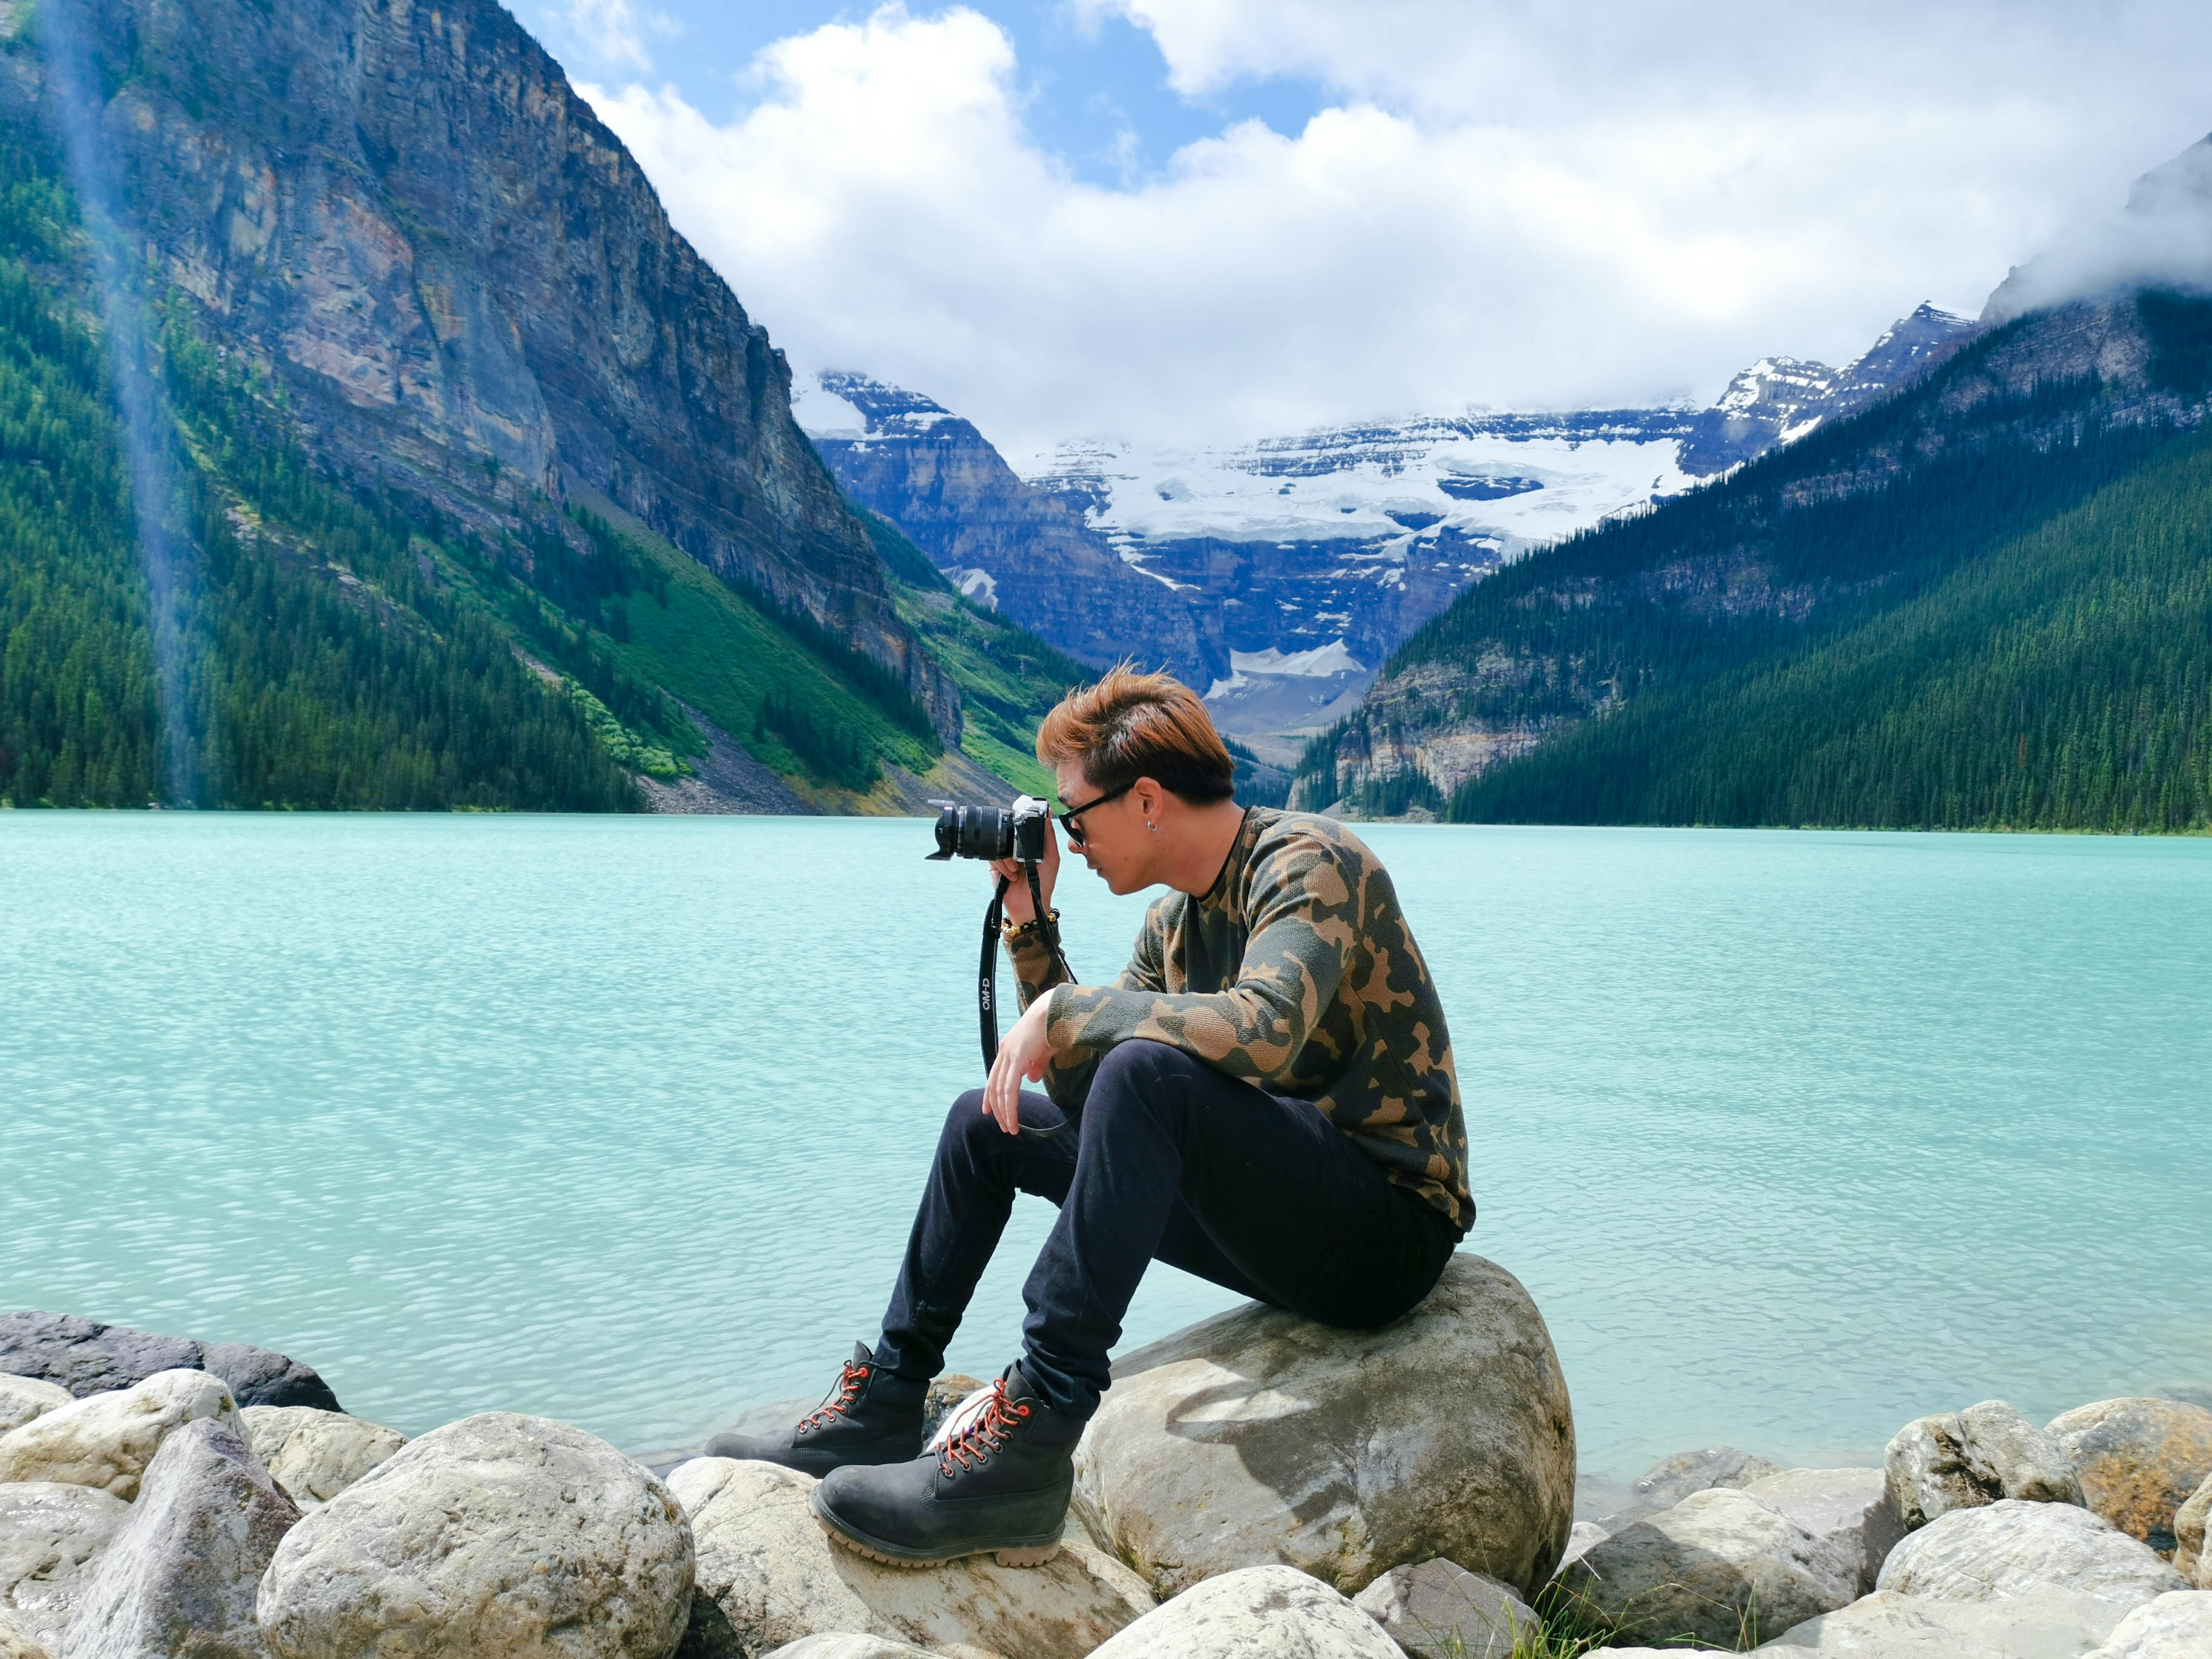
{"points": [[1015, 934]]}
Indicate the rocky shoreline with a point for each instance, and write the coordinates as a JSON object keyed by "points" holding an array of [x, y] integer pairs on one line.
{"points": [[1254, 1486]]}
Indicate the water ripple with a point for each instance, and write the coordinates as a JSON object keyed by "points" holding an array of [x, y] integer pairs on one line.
{"points": [[1794, 1137]]}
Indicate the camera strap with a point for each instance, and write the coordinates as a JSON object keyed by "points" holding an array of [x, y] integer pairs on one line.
{"points": [[986, 976]]}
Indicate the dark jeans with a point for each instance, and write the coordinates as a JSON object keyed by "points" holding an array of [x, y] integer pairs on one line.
{"points": [[1175, 1161]]}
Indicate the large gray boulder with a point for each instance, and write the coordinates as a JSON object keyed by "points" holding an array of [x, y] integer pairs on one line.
{"points": [[317, 1455], [51, 1534], [1989, 1553], [1963, 1460], [1846, 1508], [87, 1358], [1439, 1610], [1718, 1567], [498, 1537], [180, 1576], [2139, 1461], [1256, 1436], [23, 1398], [2191, 1523], [1257, 1613], [107, 1440], [2036, 1623], [2176, 1625], [769, 1568]]}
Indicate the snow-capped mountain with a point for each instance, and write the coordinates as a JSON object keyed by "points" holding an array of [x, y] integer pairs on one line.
{"points": [[1777, 400], [1281, 573]]}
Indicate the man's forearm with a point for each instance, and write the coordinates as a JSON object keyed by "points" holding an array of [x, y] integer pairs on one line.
{"points": [[1068, 1079]]}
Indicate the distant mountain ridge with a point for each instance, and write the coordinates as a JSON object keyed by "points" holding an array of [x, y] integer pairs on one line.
{"points": [[1331, 546]]}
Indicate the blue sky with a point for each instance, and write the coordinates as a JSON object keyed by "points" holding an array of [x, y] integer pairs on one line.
{"points": [[1207, 221]]}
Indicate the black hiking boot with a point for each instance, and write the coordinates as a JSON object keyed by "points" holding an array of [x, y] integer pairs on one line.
{"points": [[869, 1416], [1000, 1484]]}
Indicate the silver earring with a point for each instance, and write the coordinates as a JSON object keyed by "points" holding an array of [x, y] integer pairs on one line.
{"points": [[1150, 825]]}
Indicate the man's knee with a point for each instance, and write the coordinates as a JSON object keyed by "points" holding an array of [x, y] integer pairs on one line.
{"points": [[1141, 1075], [967, 1119]]}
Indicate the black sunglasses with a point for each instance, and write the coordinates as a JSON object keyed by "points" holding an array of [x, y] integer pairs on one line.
{"points": [[1067, 819]]}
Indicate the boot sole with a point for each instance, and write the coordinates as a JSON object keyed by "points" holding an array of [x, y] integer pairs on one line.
{"points": [[1009, 1555]]}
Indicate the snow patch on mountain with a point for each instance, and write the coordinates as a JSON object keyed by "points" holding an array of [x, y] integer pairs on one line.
{"points": [[1330, 658], [820, 413], [1507, 482]]}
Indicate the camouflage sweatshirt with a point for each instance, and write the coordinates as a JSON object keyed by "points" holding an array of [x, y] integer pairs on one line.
{"points": [[1297, 973]]}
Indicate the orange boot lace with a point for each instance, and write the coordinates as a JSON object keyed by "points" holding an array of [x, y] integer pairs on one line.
{"points": [[985, 1432], [840, 1399]]}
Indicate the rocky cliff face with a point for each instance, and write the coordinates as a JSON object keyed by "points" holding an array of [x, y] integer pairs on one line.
{"points": [[1023, 551], [465, 285]]}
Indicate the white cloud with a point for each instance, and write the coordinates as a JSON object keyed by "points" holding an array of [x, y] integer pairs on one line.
{"points": [[1540, 205], [611, 34]]}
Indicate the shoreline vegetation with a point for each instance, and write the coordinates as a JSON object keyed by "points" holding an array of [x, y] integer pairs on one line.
{"points": [[1354, 1496]]}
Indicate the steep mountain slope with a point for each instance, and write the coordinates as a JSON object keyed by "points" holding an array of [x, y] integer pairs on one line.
{"points": [[1799, 642], [482, 489], [407, 218]]}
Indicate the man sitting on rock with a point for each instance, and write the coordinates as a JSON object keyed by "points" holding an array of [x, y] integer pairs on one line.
{"points": [[1265, 1098]]}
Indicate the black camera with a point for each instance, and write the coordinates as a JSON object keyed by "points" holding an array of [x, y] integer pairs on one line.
{"points": [[1020, 832], [990, 833]]}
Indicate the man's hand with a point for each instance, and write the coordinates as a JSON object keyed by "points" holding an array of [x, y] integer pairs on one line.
{"points": [[1019, 911], [1022, 1058]]}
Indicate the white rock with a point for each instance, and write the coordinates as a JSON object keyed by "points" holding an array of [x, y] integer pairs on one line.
{"points": [[180, 1574], [23, 1398], [1439, 1610], [1848, 1508], [2037, 1623], [842, 1645], [498, 1537], [1258, 1436], [2176, 1625], [50, 1536], [1962, 1460], [107, 1440], [316, 1455], [1717, 1566], [1984, 1554], [1258, 1612], [767, 1563]]}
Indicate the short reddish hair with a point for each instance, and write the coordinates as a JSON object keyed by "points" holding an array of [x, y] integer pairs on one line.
{"points": [[1132, 725]]}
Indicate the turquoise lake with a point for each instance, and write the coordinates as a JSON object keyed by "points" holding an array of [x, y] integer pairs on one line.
{"points": [[1794, 1137]]}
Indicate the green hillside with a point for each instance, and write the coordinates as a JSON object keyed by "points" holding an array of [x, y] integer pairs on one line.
{"points": [[342, 648], [1981, 603], [2061, 679]]}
